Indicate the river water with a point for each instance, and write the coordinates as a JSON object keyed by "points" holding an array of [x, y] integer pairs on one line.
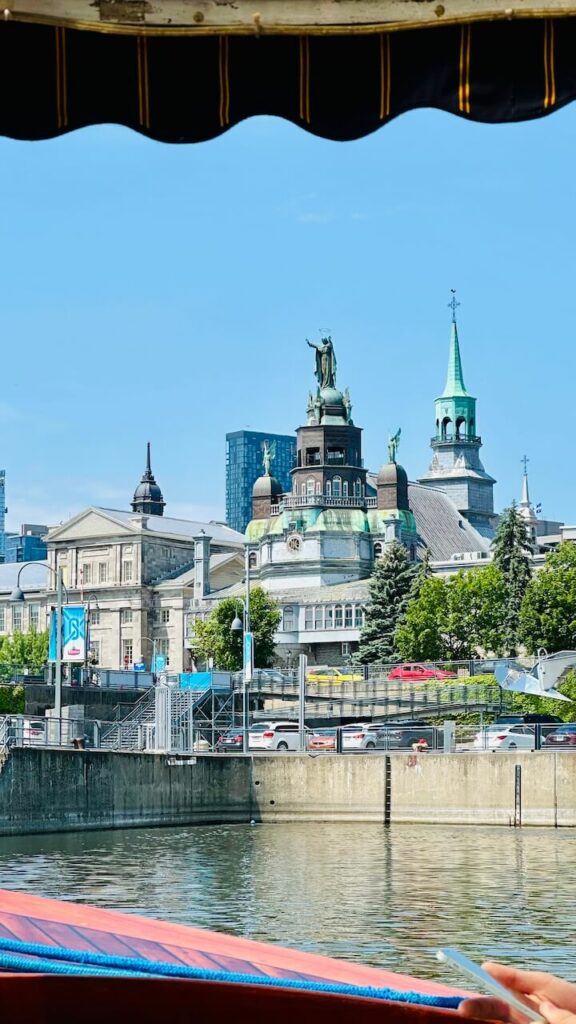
{"points": [[387, 897]]}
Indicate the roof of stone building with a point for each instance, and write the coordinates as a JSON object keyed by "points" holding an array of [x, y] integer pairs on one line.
{"points": [[185, 578], [442, 529], [218, 532], [355, 590], [34, 577]]}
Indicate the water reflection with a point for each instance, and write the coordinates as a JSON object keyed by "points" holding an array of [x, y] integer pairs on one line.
{"points": [[388, 897]]}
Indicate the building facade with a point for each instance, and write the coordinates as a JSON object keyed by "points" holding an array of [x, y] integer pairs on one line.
{"points": [[244, 453]]}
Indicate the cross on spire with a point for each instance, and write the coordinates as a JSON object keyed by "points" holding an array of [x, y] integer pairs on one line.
{"points": [[453, 305], [525, 460]]}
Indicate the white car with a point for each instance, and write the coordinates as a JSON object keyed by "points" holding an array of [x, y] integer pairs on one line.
{"points": [[360, 735], [275, 736], [505, 737]]}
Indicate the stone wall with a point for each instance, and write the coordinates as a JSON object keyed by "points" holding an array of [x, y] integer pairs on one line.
{"points": [[44, 790]]}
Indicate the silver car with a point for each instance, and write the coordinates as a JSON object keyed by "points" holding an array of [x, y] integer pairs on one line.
{"points": [[275, 736]]}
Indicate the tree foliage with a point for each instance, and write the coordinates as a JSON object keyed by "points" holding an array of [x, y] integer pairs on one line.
{"points": [[548, 613], [213, 638], [455, 619], [23, 652], [512, 551], [390, 588]]}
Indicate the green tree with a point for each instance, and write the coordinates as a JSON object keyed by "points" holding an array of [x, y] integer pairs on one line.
{"points": [[454, 619], [389, 591], [512, 556], [213, 638], [23, 652], [548, 613]]}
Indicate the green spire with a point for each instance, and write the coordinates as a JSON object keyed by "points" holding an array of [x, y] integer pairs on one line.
{"points": [[455, 386]]}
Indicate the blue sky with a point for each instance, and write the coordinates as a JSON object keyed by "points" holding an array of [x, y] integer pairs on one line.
{"points": [[164, 293]]}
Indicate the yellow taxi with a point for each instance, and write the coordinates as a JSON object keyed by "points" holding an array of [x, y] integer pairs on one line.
{"points": [[324, 674]]}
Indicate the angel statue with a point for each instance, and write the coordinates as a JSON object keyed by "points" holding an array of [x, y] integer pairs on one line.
{"points": [[393, 443], [268, 455], [325, 372]]}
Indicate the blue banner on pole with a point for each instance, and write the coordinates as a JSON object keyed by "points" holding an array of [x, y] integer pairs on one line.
{"points": [[248, 660], [73, 634]]}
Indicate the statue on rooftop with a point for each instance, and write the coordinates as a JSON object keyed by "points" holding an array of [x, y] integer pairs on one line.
{"points": [[393, 443], [268, 456], [325, 363]]}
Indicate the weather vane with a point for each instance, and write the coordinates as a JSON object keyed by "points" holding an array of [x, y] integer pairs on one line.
{"points": [[453, 305]]}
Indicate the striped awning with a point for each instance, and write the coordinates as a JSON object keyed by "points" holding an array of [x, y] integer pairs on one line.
{"points": [[186, 87]]}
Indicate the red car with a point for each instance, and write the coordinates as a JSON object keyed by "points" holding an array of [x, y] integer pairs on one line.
{"points": [[563, 736], [417, 673]]}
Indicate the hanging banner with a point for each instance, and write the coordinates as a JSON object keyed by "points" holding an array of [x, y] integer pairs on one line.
{"points": [[73, 634]]}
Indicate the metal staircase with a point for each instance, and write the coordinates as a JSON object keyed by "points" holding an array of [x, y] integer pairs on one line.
{"points": [[135, 731]]}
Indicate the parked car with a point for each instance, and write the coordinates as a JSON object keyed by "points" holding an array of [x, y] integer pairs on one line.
{"points": [[505, 737], [231, 740], [418, 673], [564, 736], [529, 719], [322, 739], [28, 730], [325, 674], [409, 736], [274, 736], [267, 675]]}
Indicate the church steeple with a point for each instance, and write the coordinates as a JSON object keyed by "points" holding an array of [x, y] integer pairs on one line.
{"points": [[456, 468], [148, 498]]}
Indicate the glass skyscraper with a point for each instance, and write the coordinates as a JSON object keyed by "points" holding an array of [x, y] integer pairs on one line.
{"points": [[244, 466], [3, 511]]}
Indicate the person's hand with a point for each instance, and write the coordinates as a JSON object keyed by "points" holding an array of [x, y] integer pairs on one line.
{"points": [[553, 997]]}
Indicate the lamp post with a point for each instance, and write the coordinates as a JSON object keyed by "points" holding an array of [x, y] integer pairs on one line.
{"points": [[152, 641], [17, 597], [242, 625], [91, 599]]}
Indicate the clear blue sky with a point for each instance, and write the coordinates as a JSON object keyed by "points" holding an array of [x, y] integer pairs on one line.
{"points": [[165, 293]]}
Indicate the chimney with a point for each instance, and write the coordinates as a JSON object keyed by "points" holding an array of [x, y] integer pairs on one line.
{"points": [[201, 564]]}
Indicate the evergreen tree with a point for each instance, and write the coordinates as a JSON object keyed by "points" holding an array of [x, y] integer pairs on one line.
{"points": [[389, 593], [512, 551]]}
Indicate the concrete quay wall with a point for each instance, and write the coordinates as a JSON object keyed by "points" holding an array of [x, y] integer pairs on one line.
{"points": [[47, 790]]}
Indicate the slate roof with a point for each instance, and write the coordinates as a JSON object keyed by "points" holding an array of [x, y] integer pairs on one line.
{"points": [[219, 532], [442, 529]]}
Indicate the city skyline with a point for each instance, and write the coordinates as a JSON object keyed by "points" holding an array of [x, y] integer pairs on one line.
{"points": [[189, 322]]}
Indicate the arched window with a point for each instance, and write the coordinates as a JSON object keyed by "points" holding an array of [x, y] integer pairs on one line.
{"points": [[310, 486], [318, 487], [288, 619], [357, 488], [295, 487], [252, 560], [377, 550], [460, 427], [345, 489], [358, 616], [337, 486], [338, 616], [328, 488], [348, 617], [446, 424], [303, 489]]}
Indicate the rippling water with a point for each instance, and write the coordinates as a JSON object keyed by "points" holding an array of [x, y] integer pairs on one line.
{"points": [[387, 897]]}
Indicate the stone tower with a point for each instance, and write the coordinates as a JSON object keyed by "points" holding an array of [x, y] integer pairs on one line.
{"points": [[456, 468], [148, 498]]}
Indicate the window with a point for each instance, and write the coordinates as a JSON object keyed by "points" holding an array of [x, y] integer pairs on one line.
{"points": [[348, 617], [252, 560], [357, 488], [319, 617], [318, 487], [163, 648], [126, 616], [345, 647], [378, 550], [288, 621], [2, 620], [127, 658], [165, 552], [308, 618], [165, 615], [127, 572], [328, 488], [338, 616], [34, 614], [345, 489], [329, 617], [102, 572], [86, 573], [94, 654], [16, 619], [358, 617], [303, 489], [337, 486], [94, 616]]}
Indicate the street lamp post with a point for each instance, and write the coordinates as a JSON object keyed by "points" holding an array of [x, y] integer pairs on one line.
{"points": [[17, 597], [153, 641], [243, 625]]}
